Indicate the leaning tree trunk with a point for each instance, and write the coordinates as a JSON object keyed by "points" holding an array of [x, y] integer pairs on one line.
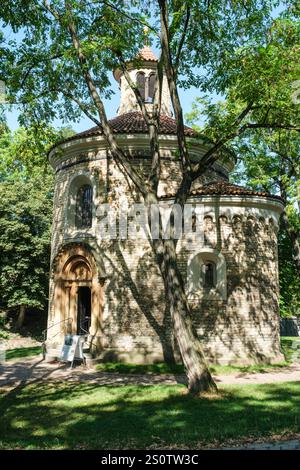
{"points": [[198, 375], [21, 316]]}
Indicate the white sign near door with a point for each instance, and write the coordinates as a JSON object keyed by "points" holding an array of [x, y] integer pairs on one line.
{"points": [[72, 348]]}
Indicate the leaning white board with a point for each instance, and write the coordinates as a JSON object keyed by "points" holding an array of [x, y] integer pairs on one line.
{"points": [[72, 348]]}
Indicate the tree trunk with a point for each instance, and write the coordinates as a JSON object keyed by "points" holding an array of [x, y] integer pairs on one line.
{"points": [[168, 351], [198, 375], [21, 317]]}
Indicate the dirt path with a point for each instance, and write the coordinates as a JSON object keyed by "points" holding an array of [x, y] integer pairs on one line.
{"points": [[290, 444], [12, 373], [16, 341]]}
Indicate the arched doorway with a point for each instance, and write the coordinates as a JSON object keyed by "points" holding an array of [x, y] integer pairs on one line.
{"points": [[77, 277], [77, 300], [84, 311]]}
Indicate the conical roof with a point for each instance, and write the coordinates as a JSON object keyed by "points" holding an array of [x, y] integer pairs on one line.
{"points": [[147, 54]]}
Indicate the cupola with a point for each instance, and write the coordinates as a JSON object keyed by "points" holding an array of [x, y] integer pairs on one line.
{"points": [[144, 76]]}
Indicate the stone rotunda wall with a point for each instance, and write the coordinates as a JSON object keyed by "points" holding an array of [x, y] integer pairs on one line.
{"points": [[237, 321], [115, 283]]}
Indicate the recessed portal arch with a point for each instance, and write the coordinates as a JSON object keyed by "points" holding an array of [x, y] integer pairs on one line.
{"points": [[78, 292]]}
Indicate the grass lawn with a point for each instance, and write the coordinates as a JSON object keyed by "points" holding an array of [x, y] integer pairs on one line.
{"points": [[162, 368], [88, 416]]}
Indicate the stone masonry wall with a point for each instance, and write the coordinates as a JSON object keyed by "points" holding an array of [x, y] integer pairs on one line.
{"points": [[240, 326]]}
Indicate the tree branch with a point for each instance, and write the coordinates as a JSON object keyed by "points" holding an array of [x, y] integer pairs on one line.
{"points": [[118, 10], [171, 76], [52, 11], [288, 127], [211, 155], [183, 36], [31, 66], [82, 106], [118, 154], [152, 120], [135, 90]]}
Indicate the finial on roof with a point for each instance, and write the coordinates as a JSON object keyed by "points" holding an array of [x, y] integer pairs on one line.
{"points": [[146, 33]]}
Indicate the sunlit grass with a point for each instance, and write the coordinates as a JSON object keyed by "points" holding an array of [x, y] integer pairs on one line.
{"points": [[67, 415]]}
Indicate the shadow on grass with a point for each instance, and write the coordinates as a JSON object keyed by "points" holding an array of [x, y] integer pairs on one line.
{"points": [[69, 415], [157, 368], [163, 368], [177, 369], [23, 352]]}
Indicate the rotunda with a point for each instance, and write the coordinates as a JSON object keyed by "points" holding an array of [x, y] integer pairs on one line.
{"points": [[110, 289]]}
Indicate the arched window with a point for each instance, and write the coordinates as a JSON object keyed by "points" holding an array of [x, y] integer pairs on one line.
{"points": [[84, 206], [194, 222], [209, 274], [151, 85], [206, 275], [140, 81]]}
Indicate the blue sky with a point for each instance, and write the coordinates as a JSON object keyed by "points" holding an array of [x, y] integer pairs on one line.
{"points": [[187, 97]]}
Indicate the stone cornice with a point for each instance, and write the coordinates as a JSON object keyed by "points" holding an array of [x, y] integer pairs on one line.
{"points": [[132, 143], [268, 203]]}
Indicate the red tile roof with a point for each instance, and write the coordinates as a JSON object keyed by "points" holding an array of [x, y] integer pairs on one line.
{"points": [[147, 54], [133, 123], [224, 188]]}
